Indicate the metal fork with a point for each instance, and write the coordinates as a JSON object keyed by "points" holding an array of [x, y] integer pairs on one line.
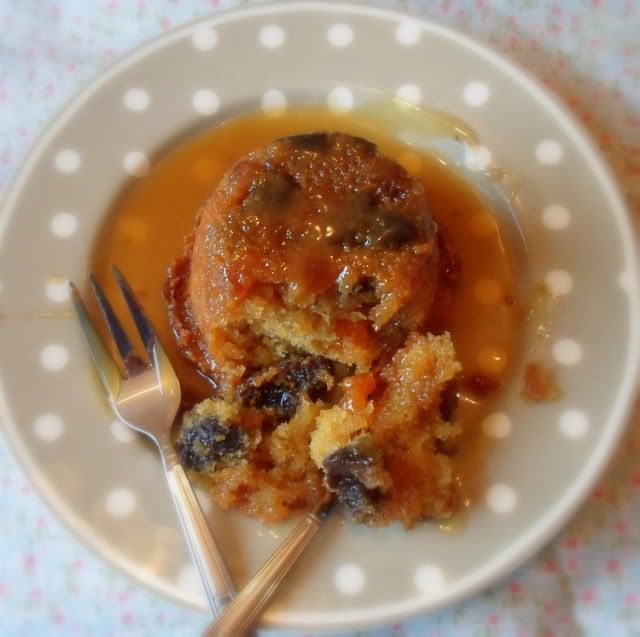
{"points": [[145, 394]]}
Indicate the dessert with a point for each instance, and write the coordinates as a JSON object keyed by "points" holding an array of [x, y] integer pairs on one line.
{"points": [[265, 468], [313, 293]]}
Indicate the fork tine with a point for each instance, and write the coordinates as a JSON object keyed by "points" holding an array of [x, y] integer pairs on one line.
{"points": [[145, 329], [106, 366], [130, 360]]}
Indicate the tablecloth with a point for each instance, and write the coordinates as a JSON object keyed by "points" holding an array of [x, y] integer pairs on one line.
{"points": [[587, 580]]}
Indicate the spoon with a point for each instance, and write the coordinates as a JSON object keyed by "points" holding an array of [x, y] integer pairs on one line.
{"points": [[245, 609]]}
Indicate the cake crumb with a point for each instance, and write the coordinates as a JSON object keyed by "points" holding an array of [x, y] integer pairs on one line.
{"points": [[539, 384]]}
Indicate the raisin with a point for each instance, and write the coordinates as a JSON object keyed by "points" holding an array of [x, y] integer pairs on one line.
{"points": [[347, 461], [275, 399], [309, 374], [360, 296], [365, 285], [449, 401], [358, 500], [269, 193], [311, 141], [346, 471], [393, 231], [371, 225], [209, 441], [279, 391]]}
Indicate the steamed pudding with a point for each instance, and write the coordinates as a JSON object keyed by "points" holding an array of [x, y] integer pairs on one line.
{"points": [[311, 292]]}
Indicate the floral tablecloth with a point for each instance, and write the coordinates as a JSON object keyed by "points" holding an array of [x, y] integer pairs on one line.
{"points": [[587, 581]]}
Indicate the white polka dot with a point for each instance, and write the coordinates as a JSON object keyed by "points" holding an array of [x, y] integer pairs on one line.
{"points": [[476, 93], [548, 152], [121, 432], [67, 160], [340, 99], [274, 102], [429, 580], [574, 423], [501, 498], [340, 35], [496, 425], [136, 100], [205, 101], [63, 224], [190, 582], [349, 579], [558, 282], [556, 216], [120, 502], [566, 351], [54, 357], [136, 163], [48, 427], [409, 93], [57, 290], [624, 280], [477, 158], [408, 32], [487, 291], [204, 37], [272, 36]]}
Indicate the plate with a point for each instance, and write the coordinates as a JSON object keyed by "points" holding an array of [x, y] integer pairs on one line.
{"points": [[108, 487]]}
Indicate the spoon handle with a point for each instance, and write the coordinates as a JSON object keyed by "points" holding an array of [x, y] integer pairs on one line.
{"points": [[248, 605]]}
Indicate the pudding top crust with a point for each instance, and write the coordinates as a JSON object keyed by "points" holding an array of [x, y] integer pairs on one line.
{"points": [[322, 224]]}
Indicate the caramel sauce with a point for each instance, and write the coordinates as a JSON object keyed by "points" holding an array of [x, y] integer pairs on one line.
{"points": [[146, 228]]}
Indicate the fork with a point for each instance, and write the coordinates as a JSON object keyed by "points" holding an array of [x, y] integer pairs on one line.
{"points": [[145, 394]]}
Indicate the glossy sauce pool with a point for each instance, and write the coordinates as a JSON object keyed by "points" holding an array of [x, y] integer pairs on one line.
{"points": [[146, 228]]}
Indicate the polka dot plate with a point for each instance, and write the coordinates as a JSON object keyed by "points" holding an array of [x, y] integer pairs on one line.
{"points": [[108, 487]]}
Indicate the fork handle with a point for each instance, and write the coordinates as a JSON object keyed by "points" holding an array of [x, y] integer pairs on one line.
{"points": [[206, 555]]}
